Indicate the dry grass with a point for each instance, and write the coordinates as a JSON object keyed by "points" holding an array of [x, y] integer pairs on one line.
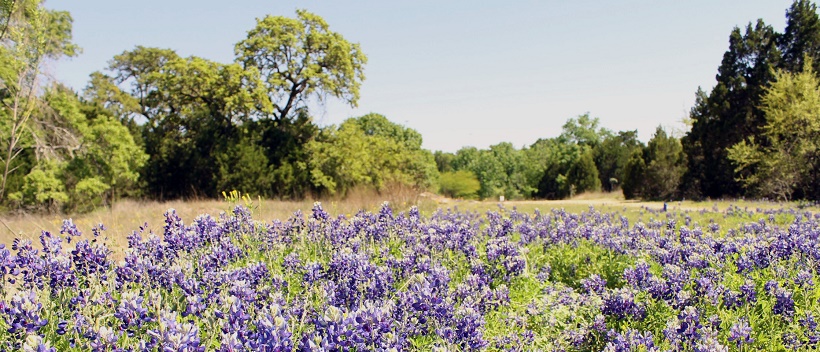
{"points": [[610, 196], [128, 215]]}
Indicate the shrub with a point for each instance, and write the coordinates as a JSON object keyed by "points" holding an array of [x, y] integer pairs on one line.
{"points": [[459, 184]]}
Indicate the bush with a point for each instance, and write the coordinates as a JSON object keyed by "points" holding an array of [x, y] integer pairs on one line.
{"points": [[459, 184]]}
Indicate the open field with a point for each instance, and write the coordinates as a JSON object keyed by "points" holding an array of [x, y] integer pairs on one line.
{"points": [[128, 216], [591, 273]]}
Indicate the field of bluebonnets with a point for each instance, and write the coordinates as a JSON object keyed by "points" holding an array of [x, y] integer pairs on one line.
{"points": [[389, 280]]}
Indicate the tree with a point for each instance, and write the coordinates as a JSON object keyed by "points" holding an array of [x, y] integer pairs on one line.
{"points": [[30, 35], [417, 165], [195, 113], [730, 112], [244, 166], [378, 125], [459, 184], [348, 156], [583, 175], [299, 58], [783, 162], [802, 36], [612, 155], [500, 170], [560, 155], [584, 130], [664, 166], [444, 161], [634, 175]]}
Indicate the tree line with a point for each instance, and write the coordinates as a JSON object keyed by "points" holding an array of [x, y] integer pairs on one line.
{"points": [[153, 124]]}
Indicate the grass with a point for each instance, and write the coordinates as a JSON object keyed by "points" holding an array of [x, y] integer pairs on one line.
{"points": [[128, 215]]}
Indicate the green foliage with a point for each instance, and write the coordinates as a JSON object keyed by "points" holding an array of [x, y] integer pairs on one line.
{"points": [[583, 175], [31, 36], [101, 156], [83, 157], [571, 263], [634, 175], [584, 131], [655, 172], [378, 125], [43, 187], [730, 112], [244, 165], [212, 126], [559, 156], [782, 163], [664, 166], [801, 38], [444, 161], [299, 57], [728, 121], [612, 155], [369, 151], [459, 184], [88, 193], [501, 170]]}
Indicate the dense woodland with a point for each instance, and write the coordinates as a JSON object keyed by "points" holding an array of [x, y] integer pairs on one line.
{"points": [[156, 125]]}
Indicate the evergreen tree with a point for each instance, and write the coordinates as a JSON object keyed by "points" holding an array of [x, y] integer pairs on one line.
{"points": [[634, 171], [730, 112], [612, 155], [583, 175], [664, 166], [802, 36]]}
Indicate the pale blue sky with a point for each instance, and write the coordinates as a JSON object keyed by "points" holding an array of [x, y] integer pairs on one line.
{"points": [[465, 73]]}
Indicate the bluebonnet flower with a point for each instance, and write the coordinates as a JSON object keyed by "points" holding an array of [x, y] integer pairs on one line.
{"points": [[291, 262], [171, 335], [196, 305], [804, 279], [630, 340], [468, 330], [36, 343], [690, 326], [96, 230], [784, 304], [639, 276], [318, 213], [594, 284], [105, 340], [741, 333], [23, 313], [504, 258], [91, 260], [748, 292], [544, 273], [810, 325], [69, 229], [709, 343], [230, 343], [313, 273], [621, 304], [8, 265], [131, 311], [791, 341], [272, 333], [731, 299]]}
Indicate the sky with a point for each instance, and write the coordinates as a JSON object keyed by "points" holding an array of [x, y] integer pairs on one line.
{"points": [[464, 73]]}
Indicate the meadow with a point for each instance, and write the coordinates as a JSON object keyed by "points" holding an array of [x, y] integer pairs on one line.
{"points": [[414, 274]]}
